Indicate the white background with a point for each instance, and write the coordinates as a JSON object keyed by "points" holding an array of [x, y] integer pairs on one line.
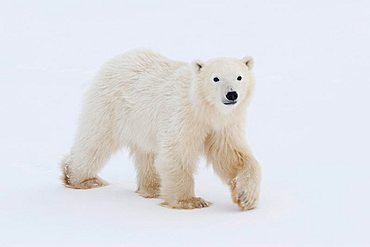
{"points": [[308, 123]]}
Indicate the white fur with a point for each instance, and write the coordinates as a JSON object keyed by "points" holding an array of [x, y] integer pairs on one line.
{"points": [[167, 113]]}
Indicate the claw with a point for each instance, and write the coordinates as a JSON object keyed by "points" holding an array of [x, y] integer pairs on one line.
{"points": [[191, 203], [244, 194]]}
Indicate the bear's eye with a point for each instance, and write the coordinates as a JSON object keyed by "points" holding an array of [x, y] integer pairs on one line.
{"points": [[239, 78], [215, 79]]}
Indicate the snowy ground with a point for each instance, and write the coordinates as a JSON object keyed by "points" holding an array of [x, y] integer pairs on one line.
{"points": [[308, 122]]}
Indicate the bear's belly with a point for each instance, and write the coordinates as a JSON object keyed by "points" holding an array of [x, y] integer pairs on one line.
{"points": [[140, 132]]}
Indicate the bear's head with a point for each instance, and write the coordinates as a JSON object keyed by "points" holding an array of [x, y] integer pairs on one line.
{"points": [[224, 83]]}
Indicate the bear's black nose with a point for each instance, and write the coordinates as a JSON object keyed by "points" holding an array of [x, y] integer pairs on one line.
{"points": [[232, 95]]}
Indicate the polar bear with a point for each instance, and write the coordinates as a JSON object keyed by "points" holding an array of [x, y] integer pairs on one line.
{"points": [[168, 113]]}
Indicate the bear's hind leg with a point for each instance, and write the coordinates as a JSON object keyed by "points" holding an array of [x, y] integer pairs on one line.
{"points": [[72, 180], [148, 181], [88, 156]]}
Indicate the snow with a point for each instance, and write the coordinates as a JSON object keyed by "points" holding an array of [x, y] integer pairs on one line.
{"points": [[308, 123]]}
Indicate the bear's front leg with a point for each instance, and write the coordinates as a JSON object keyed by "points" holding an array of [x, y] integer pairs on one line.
{"points": [[177, 183], [236, 166], [245, 186]]}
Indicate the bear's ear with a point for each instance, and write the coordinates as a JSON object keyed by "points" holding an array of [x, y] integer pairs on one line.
{"points": [[198, 65], [248, 61]]}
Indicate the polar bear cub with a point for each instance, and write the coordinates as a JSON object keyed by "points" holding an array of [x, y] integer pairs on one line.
{"points": [[168, 113]]}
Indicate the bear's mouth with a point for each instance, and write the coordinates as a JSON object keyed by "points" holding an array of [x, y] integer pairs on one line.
{"points": [[230, 102]]}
